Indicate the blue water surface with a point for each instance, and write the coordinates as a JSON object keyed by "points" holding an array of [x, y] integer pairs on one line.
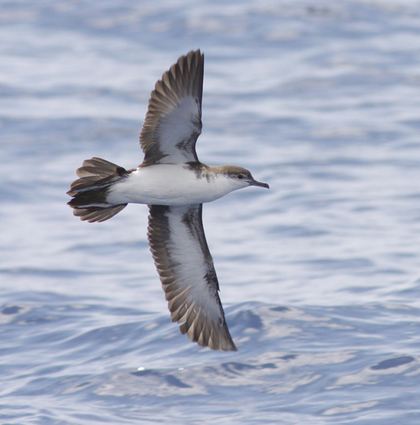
{"points": [[320, 276]]}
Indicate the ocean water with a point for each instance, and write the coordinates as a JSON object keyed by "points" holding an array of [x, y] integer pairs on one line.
{"points": [[320, 276]]}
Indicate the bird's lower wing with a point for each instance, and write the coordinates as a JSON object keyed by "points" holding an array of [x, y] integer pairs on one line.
{"points": [[187, 273]]}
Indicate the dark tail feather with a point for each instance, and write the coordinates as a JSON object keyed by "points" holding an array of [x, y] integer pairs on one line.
{"points": [[90, 191], [92, 214]]}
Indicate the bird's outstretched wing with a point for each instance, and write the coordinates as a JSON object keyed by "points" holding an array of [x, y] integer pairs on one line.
{"points": [[187, 273], [173, 119]]}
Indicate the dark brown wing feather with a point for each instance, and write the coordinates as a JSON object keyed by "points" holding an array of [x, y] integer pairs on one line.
{"points": [[187, 273], [173, 119]]}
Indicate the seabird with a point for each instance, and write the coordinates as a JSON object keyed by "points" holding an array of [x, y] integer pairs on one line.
{"points": [[174, 184]]}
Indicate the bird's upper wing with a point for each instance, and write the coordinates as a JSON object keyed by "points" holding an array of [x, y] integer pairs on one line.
{"points": [[188, 277], [173, 119]]}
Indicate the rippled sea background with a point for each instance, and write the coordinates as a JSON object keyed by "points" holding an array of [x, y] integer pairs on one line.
{"points": [[320, 276]]}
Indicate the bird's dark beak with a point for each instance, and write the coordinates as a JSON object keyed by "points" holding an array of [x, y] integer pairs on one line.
{"points": [[259, 184]]}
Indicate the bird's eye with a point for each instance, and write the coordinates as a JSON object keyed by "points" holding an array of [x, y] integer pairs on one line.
{"points": [[240, 176]]}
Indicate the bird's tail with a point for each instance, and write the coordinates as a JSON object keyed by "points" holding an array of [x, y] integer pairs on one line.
{"points": [[90, 190]]}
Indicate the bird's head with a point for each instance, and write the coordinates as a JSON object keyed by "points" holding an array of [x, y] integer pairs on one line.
{"points": [[240, 177]]}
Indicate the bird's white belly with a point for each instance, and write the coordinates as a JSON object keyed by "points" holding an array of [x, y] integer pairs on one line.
{"points": [[167, 184]]}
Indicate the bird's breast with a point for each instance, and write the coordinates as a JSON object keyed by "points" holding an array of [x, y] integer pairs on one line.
{"points": [[168, 184]]}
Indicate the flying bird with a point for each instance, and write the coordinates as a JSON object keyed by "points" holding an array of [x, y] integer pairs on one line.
{"points": [[174, 184]]}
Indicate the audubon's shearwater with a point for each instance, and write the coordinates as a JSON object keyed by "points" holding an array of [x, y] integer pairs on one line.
{"points": [[174, 184]]}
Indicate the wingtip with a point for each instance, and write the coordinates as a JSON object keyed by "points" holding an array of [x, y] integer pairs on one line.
{"points": [[229, 347], [226, 345], [219, 340], [196, 52]]}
